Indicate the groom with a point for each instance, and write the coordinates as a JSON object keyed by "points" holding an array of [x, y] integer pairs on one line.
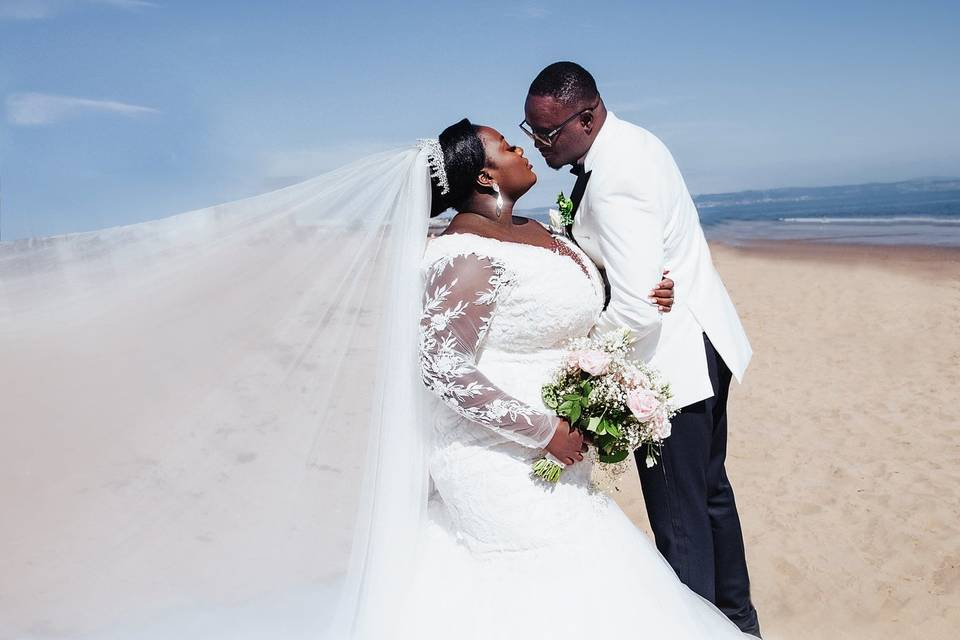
{"points": [[633, 217]]}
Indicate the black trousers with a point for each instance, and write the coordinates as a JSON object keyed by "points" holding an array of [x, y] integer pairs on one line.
{"points": [[691, 507]]}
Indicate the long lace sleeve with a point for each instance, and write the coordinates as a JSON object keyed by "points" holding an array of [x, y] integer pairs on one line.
{"points": [[459, 303]]}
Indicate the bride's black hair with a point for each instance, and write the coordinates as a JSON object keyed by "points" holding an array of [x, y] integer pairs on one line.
{"points": [[463, 159]]}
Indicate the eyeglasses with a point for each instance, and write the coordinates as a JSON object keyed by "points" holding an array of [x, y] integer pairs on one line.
{"points": [[546, 139]]}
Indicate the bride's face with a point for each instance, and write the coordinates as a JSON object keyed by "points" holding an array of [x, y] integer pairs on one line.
{"points": [[506, 164]]}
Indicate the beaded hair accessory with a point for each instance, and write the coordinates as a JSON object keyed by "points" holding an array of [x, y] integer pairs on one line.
{"points": [[435, 158]]}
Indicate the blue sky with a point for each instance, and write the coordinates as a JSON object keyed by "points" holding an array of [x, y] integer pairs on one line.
{"points": [[116, 111]]}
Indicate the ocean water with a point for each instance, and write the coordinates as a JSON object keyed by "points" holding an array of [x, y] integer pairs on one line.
{"points": [[915, 212]]}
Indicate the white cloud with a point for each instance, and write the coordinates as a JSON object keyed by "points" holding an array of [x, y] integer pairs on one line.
{"points": [[529, 11], [127, 4], [30, 9], [32, 109], [44, 9]]}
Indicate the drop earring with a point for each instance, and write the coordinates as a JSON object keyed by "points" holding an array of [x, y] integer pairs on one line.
{"points": [[496, 189]]}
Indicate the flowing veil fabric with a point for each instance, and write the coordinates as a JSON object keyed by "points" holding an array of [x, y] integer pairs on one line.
{"points": [[211, 425]]}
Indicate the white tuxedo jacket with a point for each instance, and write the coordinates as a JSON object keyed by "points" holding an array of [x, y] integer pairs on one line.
{"points": [[636, 218]]}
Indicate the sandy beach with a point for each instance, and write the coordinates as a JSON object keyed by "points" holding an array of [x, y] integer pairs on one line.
{"points": [[844, 451], [844, 444]]}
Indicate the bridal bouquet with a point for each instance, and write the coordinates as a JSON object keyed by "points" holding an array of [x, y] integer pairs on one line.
{"points": [[621, 405]]}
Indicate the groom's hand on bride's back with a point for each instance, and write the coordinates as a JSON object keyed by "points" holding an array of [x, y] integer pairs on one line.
{"points": [[566, 444]]}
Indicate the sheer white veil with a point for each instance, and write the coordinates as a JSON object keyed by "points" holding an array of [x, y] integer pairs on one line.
{"points": [[205, 420]]}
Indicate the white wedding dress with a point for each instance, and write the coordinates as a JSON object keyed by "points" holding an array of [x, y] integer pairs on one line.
{"points": [[218, 432], [504, 555]]}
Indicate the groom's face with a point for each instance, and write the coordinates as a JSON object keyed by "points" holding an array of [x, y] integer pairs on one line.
{"points": [[571, 143]]}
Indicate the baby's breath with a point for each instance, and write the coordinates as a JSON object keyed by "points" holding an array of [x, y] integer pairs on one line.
{"points": [[601, 403]]}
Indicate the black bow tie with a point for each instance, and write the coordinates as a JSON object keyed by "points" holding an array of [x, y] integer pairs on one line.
{"points": [[577, 170]]}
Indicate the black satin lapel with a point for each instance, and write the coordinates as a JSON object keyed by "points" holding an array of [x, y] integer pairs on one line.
{"points": [[576, 196], [578, 188]]}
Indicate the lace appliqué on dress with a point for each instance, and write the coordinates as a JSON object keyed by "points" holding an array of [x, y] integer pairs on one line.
{"points": [[459, 305]]}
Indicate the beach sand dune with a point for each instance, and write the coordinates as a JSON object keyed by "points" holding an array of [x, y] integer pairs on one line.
{"points": [[844, 443]]}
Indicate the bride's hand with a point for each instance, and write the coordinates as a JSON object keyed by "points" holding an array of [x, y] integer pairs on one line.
{"points": [[566, 444], [662, 296]]}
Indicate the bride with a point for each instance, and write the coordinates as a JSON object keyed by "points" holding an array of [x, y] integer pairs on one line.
{"points": [[506, 556], [214, 424]]}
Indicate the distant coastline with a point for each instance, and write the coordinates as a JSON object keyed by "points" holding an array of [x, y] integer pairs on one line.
{"points": [[920, 212]]}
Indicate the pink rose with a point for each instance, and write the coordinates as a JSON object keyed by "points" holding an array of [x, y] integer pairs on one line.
{"points": [[573, 358], [661, 425], [594, 362], [640, 379], [643, 403]]}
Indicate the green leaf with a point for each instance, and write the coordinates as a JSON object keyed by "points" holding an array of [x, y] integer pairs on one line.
{"points": [[612, 428], [592, 424], [565, 408], [575, 411], [611, 458]]}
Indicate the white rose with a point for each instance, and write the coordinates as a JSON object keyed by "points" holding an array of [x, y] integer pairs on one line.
{"points": [[555, 220]]}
